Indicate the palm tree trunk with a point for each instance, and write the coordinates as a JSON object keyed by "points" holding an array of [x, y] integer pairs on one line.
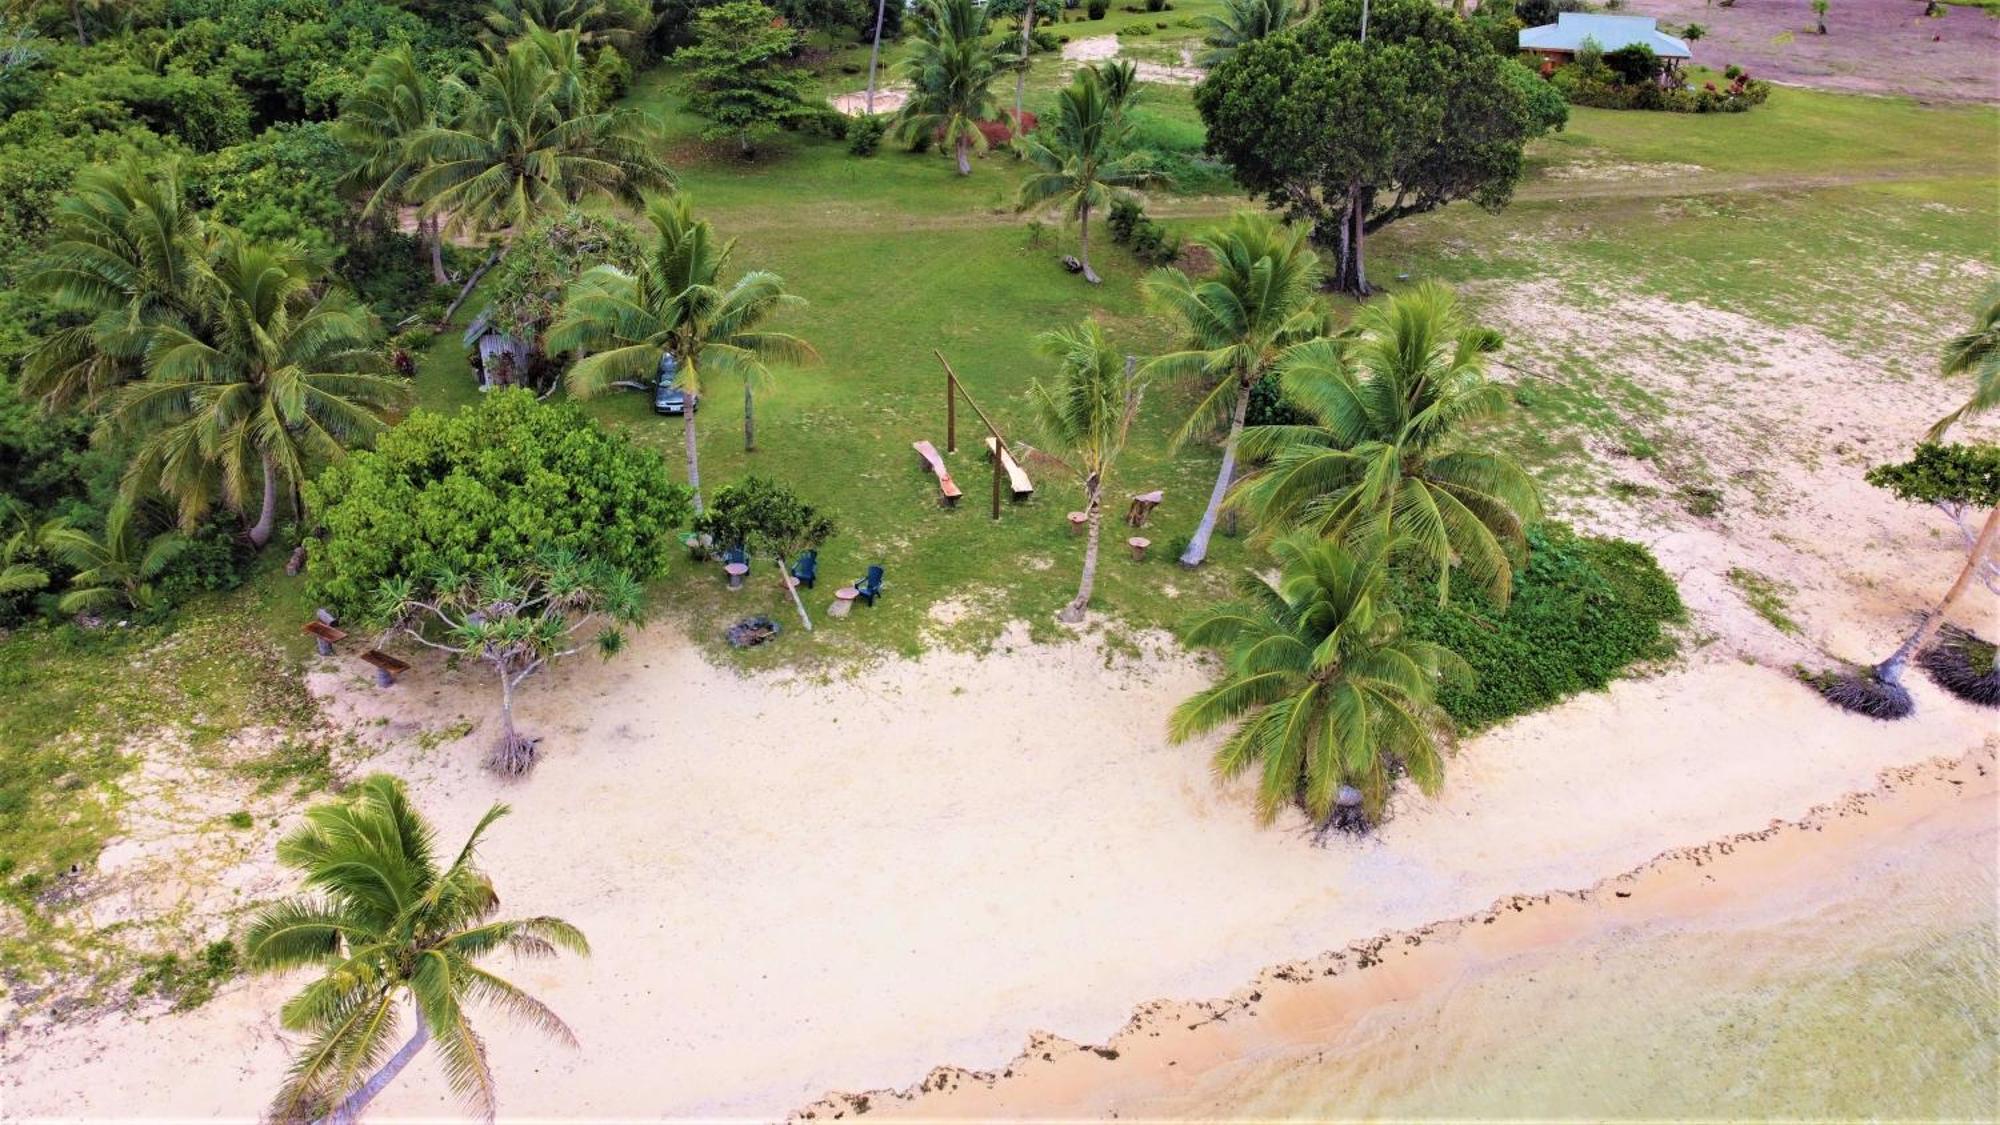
{"points": [[1891, 670], [1021, 76], [965, 156], [492, 260], [267, 516], [349, 1110], [83, 40], [436, 238], [749, 418], [792, 587], [1197, 548], [694, 462], [1083, 240], [874, 52], [1074, 611]]}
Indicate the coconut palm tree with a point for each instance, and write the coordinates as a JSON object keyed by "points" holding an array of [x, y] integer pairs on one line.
{"points": [[1238, 325], [597, 23], [1385, 451], [531, 142], [278, 376], [21, 569], [1241, 22], [1320, 687], [119, 566], [1080, 158], [677, 302], [1974, 352], [1085, 415], [951, 69], [391, 928], [126, 256], [379, 123]]}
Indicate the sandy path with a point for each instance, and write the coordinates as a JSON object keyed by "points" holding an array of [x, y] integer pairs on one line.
{"points": [[795, 888]]}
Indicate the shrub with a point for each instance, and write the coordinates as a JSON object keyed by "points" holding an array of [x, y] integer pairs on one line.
{"points": [[1156, 5], [1634, 65], [864, 135], [1584, 610], [1045, 40], [1148, 240], [1097, 9]]}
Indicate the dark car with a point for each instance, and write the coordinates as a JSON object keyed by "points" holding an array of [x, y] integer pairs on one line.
{"points": [[668, 397]]}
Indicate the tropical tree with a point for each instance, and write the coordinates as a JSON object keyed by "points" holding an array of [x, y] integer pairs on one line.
{"points": [[764, 517], [951, 69], [740, 74], [395, 104], [21, 569], [597, 23], [1959, 479], [1383, 450], [1974, 352], [1320, 687], [126, 257], [1240, 22], [677, 302], [391, 927], [280, 375], [1080, 157], [1085, 415], [1238, 325], [531, 141], [119, 566], [517, 620]]}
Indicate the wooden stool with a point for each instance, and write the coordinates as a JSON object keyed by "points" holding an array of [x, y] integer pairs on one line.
{"points": [[736, 571], [324, 634], [1077, 522], [1142, 506], [843, 601], [1138, 545], [387, 667]]}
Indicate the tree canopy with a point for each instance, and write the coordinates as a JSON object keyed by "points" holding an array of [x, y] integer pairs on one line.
{"points": [[1351, 136], [740, 74]]}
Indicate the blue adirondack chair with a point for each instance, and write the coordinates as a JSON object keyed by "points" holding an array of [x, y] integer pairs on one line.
{"points": [[805, 568], [870, 588], [736, 554]]}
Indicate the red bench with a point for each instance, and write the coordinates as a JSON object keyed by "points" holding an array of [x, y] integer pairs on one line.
{"points": [[935, 464]]}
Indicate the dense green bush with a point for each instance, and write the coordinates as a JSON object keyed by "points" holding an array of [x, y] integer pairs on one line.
{"points": [[864, 136], [1584, 610], [1148, 240], [493, 485]]}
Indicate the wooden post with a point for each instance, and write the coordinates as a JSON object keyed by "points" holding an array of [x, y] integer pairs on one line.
{"points": [[950, 410], [996, 476]]}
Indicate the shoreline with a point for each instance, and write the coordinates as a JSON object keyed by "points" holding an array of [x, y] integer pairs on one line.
{"points": [[1171, 1055]]}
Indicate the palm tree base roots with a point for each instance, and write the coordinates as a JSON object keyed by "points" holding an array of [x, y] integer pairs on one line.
{"points": [[513, 755], [1862, 692], [1963, 664]]}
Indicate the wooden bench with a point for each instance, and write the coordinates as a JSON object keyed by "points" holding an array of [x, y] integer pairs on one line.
{"points": [[1142, 506], [387, 667], [935, 464], [1015, 474], [324, 634]]}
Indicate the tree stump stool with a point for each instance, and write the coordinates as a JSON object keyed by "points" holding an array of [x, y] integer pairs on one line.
{"points": [[1142, 507], [843, 601], [736, 571], [1077, 522], [1138, 545]]}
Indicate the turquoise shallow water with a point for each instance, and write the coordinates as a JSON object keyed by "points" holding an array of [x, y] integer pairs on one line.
{"points": [[1872, 992]]}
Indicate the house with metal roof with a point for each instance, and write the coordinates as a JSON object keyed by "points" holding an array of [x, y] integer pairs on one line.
{"points": [[1559, 41]]}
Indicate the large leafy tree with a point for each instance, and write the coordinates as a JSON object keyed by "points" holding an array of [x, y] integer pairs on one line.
{"points": [[380, 123], [1085, 414], [1321, 688], [1352, 135], [1383, 450], [764, 517], [532, 141], [1975, 352], [489, 488], [678, 301], [1241, 22], [126, 257], [279, 376], [1238, 324], [391, 924], [740, 74], [1081, 156], [517, 620], [951, 68]]}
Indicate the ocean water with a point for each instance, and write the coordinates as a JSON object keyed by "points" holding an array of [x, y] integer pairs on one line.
{"points": [[1870, 991]]}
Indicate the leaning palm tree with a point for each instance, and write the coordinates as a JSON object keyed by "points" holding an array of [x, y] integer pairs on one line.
{"points": [[1085, 415], [951, 69], [1320, 686], [379, 123], [119, 566], [391, 928], [1384, 449], [529, 143], [280, 376], [1240, 23], [126, 257], [1974, 352], [1081, 158], [677, 303], [1238, 325]]}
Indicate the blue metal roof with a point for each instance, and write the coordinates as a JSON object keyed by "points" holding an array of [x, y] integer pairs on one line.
{"points": [[1611, 32]]}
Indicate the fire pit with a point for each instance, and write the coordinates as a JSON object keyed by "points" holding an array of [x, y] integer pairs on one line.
{"points": [[751, 632]]}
